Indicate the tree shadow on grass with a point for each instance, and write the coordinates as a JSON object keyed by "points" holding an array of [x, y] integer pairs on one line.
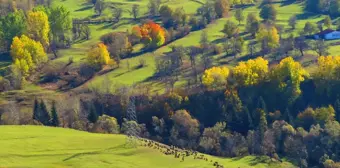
{"points": [[307, 15], [84, 8]]}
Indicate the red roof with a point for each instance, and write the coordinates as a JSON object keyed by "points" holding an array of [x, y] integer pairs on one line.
{"points": [[324, 32]]}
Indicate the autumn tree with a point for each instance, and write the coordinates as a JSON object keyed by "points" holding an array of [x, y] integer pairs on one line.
{"points": [[268, 12], [222, 8], [27, 54], [239, 16], [251, 72], [150, 33], [268, 38], [38, 27], [215, 77], [106, 124], [99, 56], [185, 130], [287, 76], [230, 29], [118, 45]]}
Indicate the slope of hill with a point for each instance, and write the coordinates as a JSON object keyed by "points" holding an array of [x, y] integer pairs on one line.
{"points": [[35, 146]]}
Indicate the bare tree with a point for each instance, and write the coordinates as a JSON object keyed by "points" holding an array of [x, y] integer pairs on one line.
{"points": [[301, 44], [99, 7], [12, 114], [117, 14], [86, 31], [320, 47], [135, 11]]}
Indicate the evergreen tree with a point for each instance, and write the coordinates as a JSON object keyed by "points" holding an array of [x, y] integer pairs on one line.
{"points": [[250, 119], [337, 109], [55, 118], [288, 117], [93, 116], [261, 104], [263, 124], [36, 109], [44, 116]]}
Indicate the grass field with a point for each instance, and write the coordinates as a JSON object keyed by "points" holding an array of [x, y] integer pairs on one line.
{"points": [[36, 146], [142, 76]]}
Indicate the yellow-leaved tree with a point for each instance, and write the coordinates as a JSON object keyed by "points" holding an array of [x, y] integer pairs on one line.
{"points": [[38, 27], [328, 71], [268, 37], [99, 56], [288, 75], [215, 77], [251, 72], [27, 54]]}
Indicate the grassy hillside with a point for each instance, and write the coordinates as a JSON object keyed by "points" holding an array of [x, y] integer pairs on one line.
{"points": [[35, 146], [81, 9]]}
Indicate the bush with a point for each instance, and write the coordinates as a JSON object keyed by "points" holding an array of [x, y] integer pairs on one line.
{"points": [[86, 70], [217, 49], [142, 63], [106, 124]]}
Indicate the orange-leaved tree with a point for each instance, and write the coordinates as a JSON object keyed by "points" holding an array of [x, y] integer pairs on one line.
{"points": [[150, 33]]}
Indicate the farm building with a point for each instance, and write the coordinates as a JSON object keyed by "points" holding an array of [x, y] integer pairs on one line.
{"points": [[328, 34]]}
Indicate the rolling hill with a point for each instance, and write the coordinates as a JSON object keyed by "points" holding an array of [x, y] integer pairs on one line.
{"points": [[36, 146]]}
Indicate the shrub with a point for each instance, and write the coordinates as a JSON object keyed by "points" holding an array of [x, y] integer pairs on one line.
{"points": [[106, 124]]}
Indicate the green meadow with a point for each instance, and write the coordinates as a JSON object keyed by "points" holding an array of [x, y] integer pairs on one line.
{"points": [[41, 147]]}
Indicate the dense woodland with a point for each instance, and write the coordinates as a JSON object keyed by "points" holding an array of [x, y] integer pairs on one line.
{"points": [[261, 106]]}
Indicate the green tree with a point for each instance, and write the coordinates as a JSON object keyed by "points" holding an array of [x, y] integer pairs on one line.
{"points": [[327, 22], [93, 115], [292, 22], [268, 12], [239, 16], [44, 116], [222, 8], [230, 29], [55, 118], [253, 24], [36, 110], [60, 22], [12, 25], [337, 109], [310, 28], [263, 123], [166, 14]]}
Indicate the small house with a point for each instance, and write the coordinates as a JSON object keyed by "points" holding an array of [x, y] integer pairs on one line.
{"points": [[328, 34]]}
